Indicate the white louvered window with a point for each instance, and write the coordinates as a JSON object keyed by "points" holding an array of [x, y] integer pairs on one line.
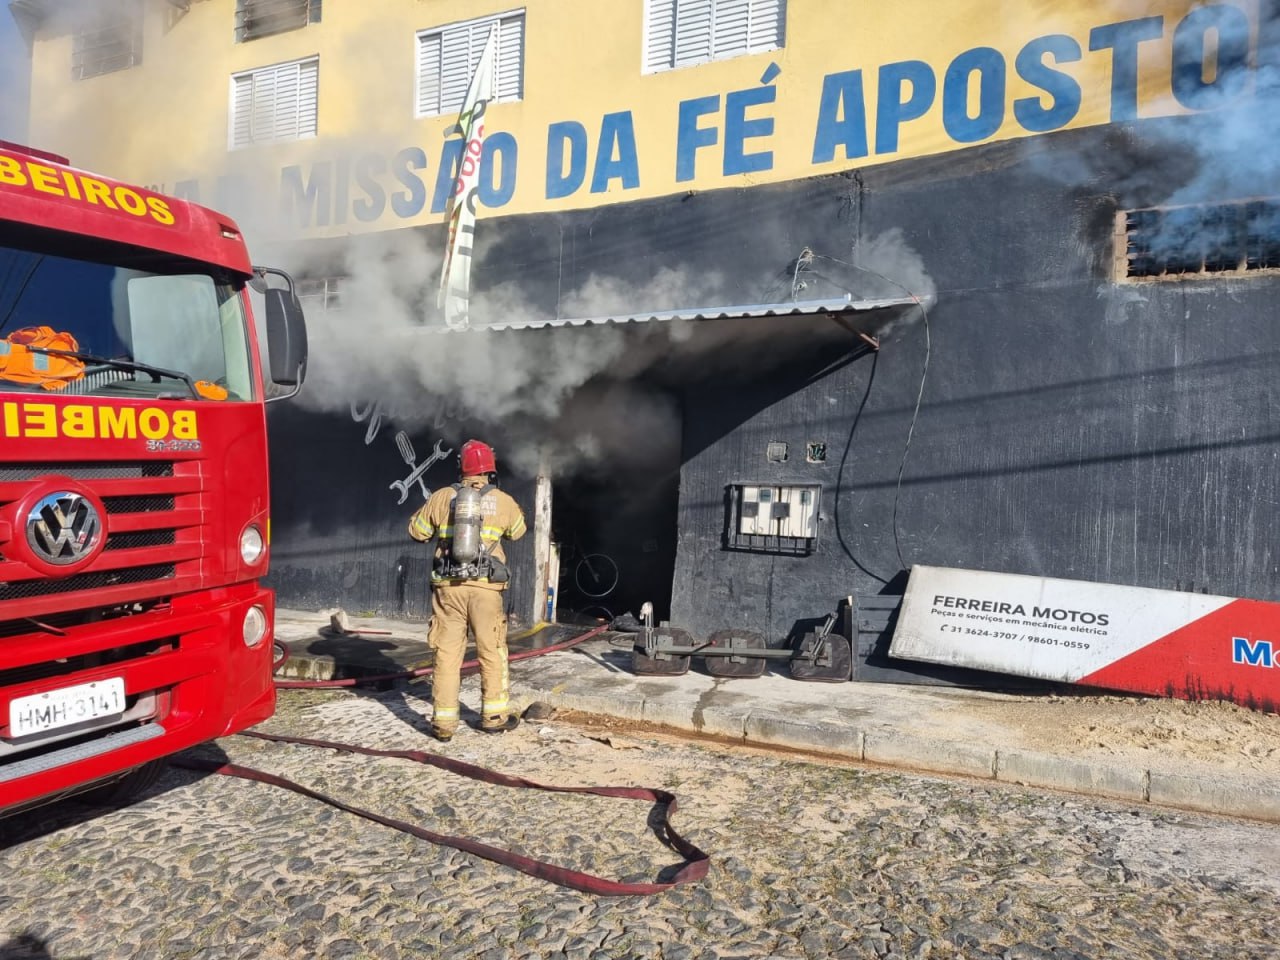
{"points": [[448, 56], [274, 103], [680, 33]]}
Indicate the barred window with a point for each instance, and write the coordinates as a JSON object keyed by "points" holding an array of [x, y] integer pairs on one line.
{"points": [[274, 103], [108, 45], [448, 56], [680, 33], [319, 294], [262, 18], [1161, 243]]}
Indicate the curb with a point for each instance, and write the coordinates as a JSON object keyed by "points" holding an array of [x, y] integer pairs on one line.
{"points": [[1250, 798], [1245, 796]]}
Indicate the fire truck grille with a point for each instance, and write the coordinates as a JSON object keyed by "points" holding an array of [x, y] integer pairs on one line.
{"points": [[104, 470], [86, 581], [139, 538], [153, 522], [138, 504], [99, 658]]}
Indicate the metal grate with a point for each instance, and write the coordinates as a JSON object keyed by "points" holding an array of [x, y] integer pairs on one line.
{"points": [[104, 470], [86, 581], [144, 503], [108, 46], [321, 293], [1199, 241], [262, 18]]}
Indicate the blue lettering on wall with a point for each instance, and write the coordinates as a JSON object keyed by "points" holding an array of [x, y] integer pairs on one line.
{"points": [[842, 118], [1122, 39], [892, 110], [500, 149], [447, 173], [988, 64], [1191, 51], [690, 137], [236, 193], [1064, 90], [410, 201], [341, 189], [1255, 654], [617, 133], [187, 190], [562, 182], [369, 207], [310, 203], [738, 130]]}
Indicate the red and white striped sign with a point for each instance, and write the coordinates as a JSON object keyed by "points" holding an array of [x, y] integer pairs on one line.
{"points": [[1186, 645]]}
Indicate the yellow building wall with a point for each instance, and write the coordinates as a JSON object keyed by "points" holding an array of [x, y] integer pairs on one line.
{"points": [[1002, 70]]}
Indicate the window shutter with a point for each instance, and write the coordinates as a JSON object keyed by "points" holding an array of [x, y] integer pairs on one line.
{"points": [[285, 125], [275, 103], [429, 53], [680, 33], [455, 69], [510, 58], [448, 57], [660, 21], [241, 111], [768, 25], [693, 31], [263, 112], [732, 25], [308, 103]]}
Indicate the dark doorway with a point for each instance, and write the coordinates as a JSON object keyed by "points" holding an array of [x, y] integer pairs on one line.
{"points": [[615, 523]]}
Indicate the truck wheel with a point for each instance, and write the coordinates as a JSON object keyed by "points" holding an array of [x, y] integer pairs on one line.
{"points": [[126, 788]]}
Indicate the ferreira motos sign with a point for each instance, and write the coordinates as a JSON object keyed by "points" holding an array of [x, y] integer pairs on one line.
{"points": [[1163, 642]]}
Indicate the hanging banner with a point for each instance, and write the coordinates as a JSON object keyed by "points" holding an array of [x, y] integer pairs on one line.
{"points": [[1162, 642], [455, 278]]}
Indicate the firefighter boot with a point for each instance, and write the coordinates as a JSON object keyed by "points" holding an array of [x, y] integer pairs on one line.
{"points": [[499, 724]]}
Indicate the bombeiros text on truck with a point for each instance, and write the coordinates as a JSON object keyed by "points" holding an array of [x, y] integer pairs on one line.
{"points": [[134, 511]]}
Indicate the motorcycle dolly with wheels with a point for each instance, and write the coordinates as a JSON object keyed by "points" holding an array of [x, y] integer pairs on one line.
{"points": [[820, 655]]}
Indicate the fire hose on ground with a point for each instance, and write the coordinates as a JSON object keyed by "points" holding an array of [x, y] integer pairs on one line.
{"points": [[695, 863]]}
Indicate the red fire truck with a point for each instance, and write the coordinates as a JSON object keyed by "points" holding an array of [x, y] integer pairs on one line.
{"points": [[134, 516]]}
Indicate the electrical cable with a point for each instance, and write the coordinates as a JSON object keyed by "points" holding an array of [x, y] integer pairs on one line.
{"points": [[924, 373]]}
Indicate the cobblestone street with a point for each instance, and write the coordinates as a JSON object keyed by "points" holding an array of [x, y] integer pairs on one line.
{"points": [[808, 860]]}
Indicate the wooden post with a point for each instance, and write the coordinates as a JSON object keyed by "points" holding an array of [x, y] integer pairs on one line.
{"points": [[541, 546]]}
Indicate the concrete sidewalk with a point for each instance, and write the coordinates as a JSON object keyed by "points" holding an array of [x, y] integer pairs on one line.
{"points": [[949, 730]]}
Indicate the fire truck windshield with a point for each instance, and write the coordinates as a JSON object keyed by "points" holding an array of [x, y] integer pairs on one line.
{"points": [[72, 326]]}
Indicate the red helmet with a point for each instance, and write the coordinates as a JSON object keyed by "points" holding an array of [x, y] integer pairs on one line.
{"points": [[476, 458]]}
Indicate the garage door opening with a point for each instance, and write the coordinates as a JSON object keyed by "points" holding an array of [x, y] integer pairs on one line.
{"points": [[614, 526]]}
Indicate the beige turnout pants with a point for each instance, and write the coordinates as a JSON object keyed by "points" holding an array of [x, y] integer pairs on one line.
{"points": [[453, 609]]}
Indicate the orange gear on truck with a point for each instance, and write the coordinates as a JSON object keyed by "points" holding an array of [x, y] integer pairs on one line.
{"points": [[21, 364]]}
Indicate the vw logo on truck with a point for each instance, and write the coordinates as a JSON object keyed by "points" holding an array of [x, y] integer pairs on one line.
{"points": [[63, 528]]}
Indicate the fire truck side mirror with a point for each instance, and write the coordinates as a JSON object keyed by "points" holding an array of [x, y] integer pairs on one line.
{"points": [[286, 338]]}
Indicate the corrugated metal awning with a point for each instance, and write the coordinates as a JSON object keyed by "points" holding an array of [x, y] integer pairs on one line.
{"points": [[833, 308]]}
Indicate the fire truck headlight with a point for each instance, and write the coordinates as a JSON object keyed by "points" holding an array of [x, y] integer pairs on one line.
{"points": [[255, 626], [251, 545]]}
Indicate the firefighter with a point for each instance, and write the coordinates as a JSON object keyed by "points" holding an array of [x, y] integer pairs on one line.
{"points": [[468, 576]]}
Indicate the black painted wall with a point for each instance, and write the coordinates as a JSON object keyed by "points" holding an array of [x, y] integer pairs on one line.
{"points": [[1069, 426], [339, 533]]}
